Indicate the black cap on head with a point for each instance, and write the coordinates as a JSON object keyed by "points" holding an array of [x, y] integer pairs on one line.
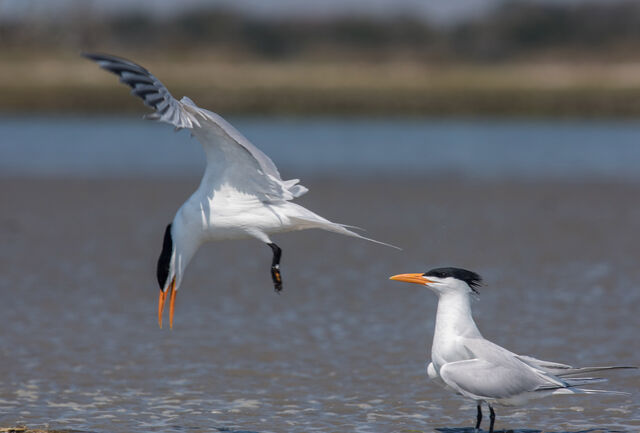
{"points": [[164, 261], [471, 278]]}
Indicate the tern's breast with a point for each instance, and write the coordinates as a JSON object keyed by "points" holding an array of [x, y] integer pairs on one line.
{"points": [[235, 219], [448, 350]]}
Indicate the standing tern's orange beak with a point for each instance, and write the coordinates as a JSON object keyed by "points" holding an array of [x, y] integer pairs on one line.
{"points": [[172, 300], [411, 278]]}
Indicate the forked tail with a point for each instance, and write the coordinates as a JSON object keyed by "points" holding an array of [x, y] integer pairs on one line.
{"points": [[574, 390], [564, 370], [312, 220], [582, 370]]}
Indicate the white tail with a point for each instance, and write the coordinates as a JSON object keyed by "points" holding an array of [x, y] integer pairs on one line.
{"points": [[311, 220]]}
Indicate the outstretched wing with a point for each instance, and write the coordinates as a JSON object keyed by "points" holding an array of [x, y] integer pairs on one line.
{"points": [[148, 88], [232, 161]]}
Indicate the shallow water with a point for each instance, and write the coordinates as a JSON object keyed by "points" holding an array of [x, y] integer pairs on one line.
{"points": [[342, 349], [488, 148]]}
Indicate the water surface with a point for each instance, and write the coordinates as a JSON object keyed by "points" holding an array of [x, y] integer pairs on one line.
{"points": [[112, 146], [342, 349]]}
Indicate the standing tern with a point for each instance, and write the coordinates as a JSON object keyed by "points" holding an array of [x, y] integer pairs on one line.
{"points": [[241, 194], [469, 365]]}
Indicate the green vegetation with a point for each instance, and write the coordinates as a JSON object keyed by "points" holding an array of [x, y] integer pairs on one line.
{"points": [[72, 84], [537, 59]]}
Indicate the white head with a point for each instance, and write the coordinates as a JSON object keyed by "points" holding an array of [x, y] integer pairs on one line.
{"points": [[445, 280]]}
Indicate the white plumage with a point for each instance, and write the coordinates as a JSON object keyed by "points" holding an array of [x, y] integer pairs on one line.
{"points": [[469, 365], [241, 194]]}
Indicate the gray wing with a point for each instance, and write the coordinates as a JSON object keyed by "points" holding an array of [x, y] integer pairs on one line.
{"points": [[148, 88], [480, 379], [237, 161], [495, 373]]}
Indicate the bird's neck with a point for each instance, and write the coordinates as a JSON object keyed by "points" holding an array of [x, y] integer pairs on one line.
{"points": [[454, 316], [453, 320], [186, 239]]}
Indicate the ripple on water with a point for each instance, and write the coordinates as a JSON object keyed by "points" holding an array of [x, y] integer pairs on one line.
{"points": [[339, 350]]}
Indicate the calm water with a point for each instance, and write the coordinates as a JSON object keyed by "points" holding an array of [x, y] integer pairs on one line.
{"points": [[107, 146], [548, 213]]}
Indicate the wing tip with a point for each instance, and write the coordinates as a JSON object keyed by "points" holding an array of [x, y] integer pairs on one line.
{"points": [[100, 57], [89, 55]]}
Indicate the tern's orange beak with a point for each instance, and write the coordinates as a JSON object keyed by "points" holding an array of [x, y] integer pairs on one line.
{"points": [[411, 278], [161, 299], [172, 301]]}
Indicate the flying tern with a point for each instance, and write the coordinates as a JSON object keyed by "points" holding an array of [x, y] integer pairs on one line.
{"points": [[241, 194], [469, 365]]}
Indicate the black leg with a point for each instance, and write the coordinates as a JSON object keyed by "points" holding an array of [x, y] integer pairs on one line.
{"points": [[492, 417], [479, 416], [275, 267]]}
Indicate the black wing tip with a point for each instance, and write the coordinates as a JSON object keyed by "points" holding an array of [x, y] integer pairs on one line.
{"points": [[92, 56], [104, 57], [89, 55], [132, 75], [101, 56]]}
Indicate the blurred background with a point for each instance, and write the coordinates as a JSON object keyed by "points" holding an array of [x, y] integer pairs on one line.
{"points": [[498, 136], [545, 57]]}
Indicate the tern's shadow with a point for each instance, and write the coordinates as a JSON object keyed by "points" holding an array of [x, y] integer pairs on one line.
{"points": [[198, 429], [229, 430], [523, 430], [473, 430]]}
